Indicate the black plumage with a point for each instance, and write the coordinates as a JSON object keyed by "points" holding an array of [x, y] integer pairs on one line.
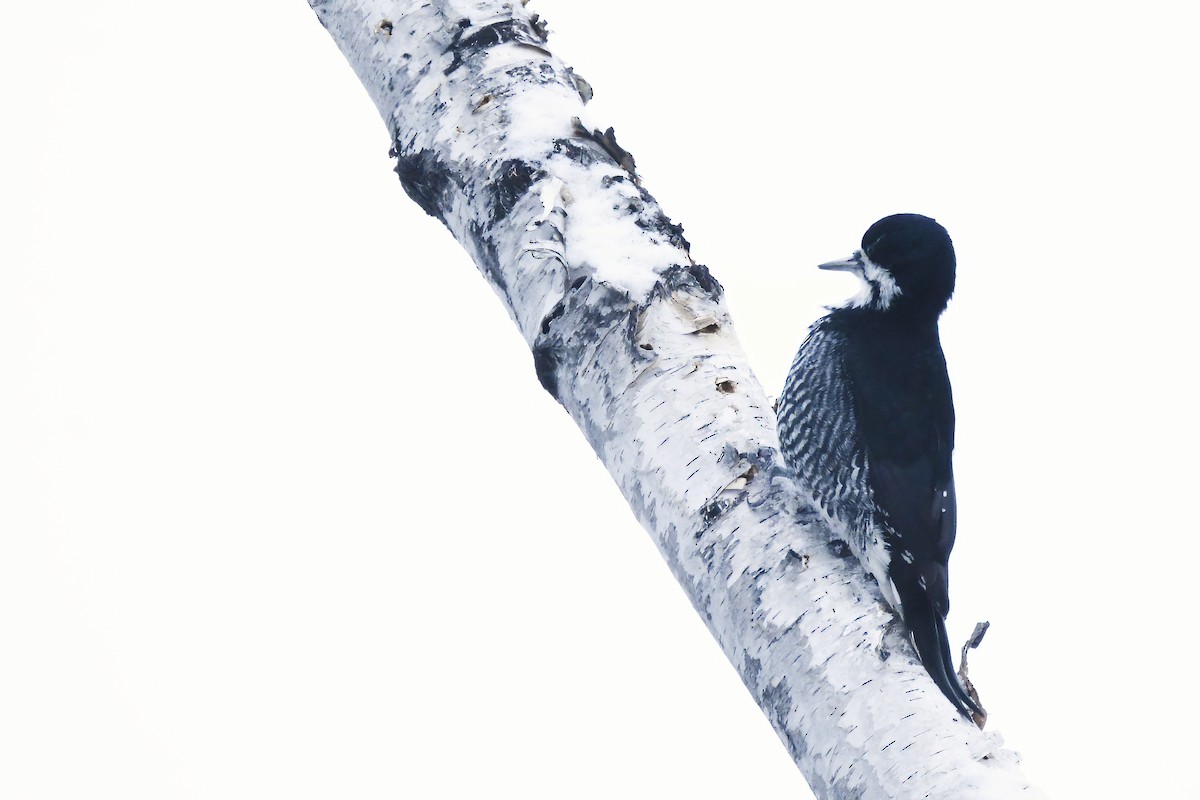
{"points": [[866, 423]]}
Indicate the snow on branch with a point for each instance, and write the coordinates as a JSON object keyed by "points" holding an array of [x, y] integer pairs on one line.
{"points": [[632, 336]]}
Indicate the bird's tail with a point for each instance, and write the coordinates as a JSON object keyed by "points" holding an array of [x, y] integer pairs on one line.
{"points": [[929, 635]]}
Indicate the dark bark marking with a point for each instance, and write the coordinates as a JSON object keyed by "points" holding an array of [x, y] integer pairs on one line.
{"points": [[752, 668], [584, 156], [661, 224], [777, 702], [545, 364], [689, 276], [840, 549], [489, 259], [512, 180], [557, 343], [554, 314], [608, 143], [540, 74], [509, 30], [713, 510], [800, 559], [704, 279], [723, 502], [426, 180], [592, 313]]}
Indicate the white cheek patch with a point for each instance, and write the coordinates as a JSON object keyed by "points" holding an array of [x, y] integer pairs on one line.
{"points": [[879, 288], [865, 296], [880, 282]]}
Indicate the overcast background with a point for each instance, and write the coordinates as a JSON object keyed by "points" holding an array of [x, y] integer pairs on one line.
{"points": [[285, 513]]}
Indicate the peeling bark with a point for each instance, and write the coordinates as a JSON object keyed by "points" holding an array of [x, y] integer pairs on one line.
{"points": [[491, 137]]}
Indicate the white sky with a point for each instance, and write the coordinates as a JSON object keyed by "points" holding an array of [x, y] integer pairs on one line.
{"points": [[285, 513]]}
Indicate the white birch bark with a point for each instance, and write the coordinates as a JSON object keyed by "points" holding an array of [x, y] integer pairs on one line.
{"points": [[632, 337]]}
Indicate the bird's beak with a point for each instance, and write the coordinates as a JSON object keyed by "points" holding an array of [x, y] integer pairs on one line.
{"points": [[852, 264]]}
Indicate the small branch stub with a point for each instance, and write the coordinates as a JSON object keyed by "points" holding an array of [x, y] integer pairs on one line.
{"points": [[973, 642]]}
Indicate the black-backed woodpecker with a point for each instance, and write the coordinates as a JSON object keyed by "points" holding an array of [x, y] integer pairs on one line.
{"points": [[866, 424]]}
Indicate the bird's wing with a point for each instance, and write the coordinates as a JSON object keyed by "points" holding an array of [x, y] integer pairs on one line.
{"points": [[922, 533], [911, 430], [820, 438], [920, 518]]}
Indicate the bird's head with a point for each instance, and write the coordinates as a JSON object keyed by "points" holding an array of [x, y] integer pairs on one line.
{"points": [[907, 263]]}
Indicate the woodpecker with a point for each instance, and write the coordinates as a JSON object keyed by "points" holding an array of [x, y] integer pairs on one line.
{"points": [[866, 424]]}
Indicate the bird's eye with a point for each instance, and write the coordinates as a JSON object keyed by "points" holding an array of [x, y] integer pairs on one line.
{"points": [[874, 244]]}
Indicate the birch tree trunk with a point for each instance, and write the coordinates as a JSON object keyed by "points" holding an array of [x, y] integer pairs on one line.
{"points": [[632, 337]]}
